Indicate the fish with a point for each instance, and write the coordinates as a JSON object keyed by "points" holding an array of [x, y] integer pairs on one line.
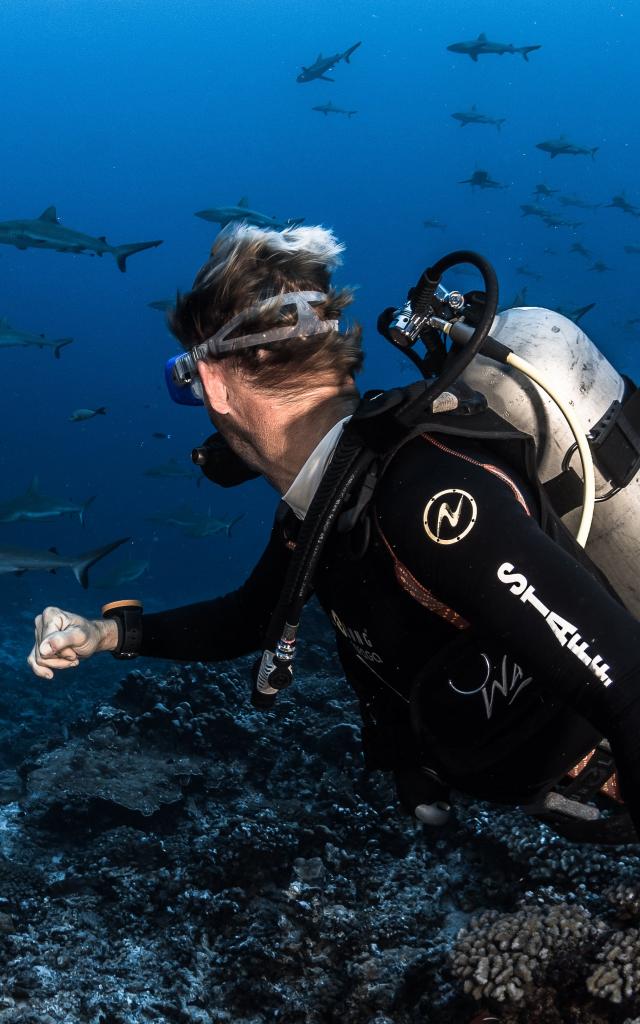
{"points": [[553, 221], [481, 179], [21, 560], [544, 191], [123, 572], [46, 232], [475, 47], [224, 215], [163, 305], [525, 272], [599, 267], [474, 116], [531, 210], [32, 505], [579, 248], [519, 299], [575, 314], [562, 147], [435, 224], [161, 437], [195, 524], [635, 249], [87, 414], [323, 64], [328, 108], [619, 202], [171, 470], [582, 204], [11, 337]]}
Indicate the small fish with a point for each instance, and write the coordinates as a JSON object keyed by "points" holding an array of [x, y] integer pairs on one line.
{"points": [[328, 108], [32, 506], [562, 147], [322, 64], [21, 560], [481, 179], [435, 224], [474, 48], [87, 414], [161, 436], [46, 232], [474, 116]]}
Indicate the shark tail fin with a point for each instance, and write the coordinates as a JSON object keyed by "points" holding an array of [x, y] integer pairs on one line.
{"points": [[500, 122], [524, 50], [82, 511], [233, 523], [347, 53], [84, 562], [351, 112], [59, 344], [122, 252], [101, 411], [594, 151]]}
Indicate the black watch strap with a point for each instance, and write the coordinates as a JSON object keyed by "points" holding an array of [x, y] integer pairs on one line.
{"points": [[128, 618]]}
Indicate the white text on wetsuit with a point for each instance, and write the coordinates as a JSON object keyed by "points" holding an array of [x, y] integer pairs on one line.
{"points": [[564, 631]]}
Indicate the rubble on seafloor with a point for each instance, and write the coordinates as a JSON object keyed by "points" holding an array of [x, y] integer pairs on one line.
{"points": [[177, 856]]}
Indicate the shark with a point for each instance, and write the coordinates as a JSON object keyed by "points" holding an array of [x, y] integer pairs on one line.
{"points": [[533, 210], [123, 572], [322, 64], [575, 314], [173, 469], [224, 215], [475, 47], [563, 147], [434, 224], [32, 506], [581, 250], [632, 250], [620, 202], [162, 305], [21, 560], [482, 179], [11, 337], [553, 221], [46, 232], [525, 272], [194, 524], [474, 116], [581, 204], [329, 108], [543, 191]]}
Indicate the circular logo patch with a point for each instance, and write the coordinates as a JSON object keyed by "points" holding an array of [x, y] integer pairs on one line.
{"points": [[449, 516]]}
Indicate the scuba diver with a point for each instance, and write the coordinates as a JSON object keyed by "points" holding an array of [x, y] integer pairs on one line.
{"points": [[490, 655]]}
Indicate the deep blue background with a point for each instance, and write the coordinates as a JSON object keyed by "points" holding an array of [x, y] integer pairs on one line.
{"points": [[129, 116]]}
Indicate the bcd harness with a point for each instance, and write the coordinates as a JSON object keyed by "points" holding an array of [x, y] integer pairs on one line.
{"points": [[382, 424]]}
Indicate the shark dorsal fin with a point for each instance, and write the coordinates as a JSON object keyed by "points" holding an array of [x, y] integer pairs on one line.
{"points": [[482, 38], [33, 486], [103, 238], [243, 202], [49, 215]]}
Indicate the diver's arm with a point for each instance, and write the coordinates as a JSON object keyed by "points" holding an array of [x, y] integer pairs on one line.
{"points": [[224, 627], [510, 581]]}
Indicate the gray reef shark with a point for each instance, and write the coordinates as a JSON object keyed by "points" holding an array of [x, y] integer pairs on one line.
{"points": [[562, 147], [474, 116], [328, 108], [21, 560], [123, 572], [581, 204], [475, 47], [543, 191], [163, 305], [481, 179], [632, 249], [32, 505], [11, 337], [322, 64], [46, 232], [173, 469], [224, 215], [575, 314], [195, 524], [620, 203], [434, 224], [525, 272]]}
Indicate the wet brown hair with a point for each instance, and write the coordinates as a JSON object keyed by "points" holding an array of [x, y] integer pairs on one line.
{"points": [[248, 265]]}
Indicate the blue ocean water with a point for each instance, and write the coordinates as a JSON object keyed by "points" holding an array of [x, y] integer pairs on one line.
{"points": [[130, 115]]}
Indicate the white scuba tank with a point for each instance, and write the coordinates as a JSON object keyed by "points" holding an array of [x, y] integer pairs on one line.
{"points": [[563, 353]]}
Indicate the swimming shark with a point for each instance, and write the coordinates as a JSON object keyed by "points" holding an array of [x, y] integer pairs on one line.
{"points": [[32, 505], [580, 249], [632, 249], [328, 108], [475, 47], [620, 203], [163, 305], [224, 215], [323, 64], [525, 272], [435, 224], [581, 204], [21, 560], [474, 116], [533, 210], [482, 179], [46, 232], [173, 469], [553, 221], [544, 191], [195, 524], [575, 314], [562, 147], [11, 337], [123, 572]]}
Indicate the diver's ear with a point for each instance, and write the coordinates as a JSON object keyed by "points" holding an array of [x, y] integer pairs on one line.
{"points": [[214, 383]]}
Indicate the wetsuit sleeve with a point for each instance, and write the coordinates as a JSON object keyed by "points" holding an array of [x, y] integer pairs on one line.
{"points": [[464, 530], [227, 626]]}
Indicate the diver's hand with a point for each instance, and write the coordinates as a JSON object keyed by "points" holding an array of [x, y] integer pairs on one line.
{"points": [[62, 639]]}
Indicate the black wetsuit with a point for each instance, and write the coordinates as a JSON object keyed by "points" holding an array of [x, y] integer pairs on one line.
{"points": [[528, 659]]}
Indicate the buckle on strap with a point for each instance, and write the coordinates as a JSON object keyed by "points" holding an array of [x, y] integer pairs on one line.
{"points": [[615, 439]]}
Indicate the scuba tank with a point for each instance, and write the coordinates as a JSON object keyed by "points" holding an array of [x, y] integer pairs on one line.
{"points": [[608, 410]]}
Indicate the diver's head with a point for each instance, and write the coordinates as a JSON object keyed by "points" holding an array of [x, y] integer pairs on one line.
{"points": [[262, 310]]}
